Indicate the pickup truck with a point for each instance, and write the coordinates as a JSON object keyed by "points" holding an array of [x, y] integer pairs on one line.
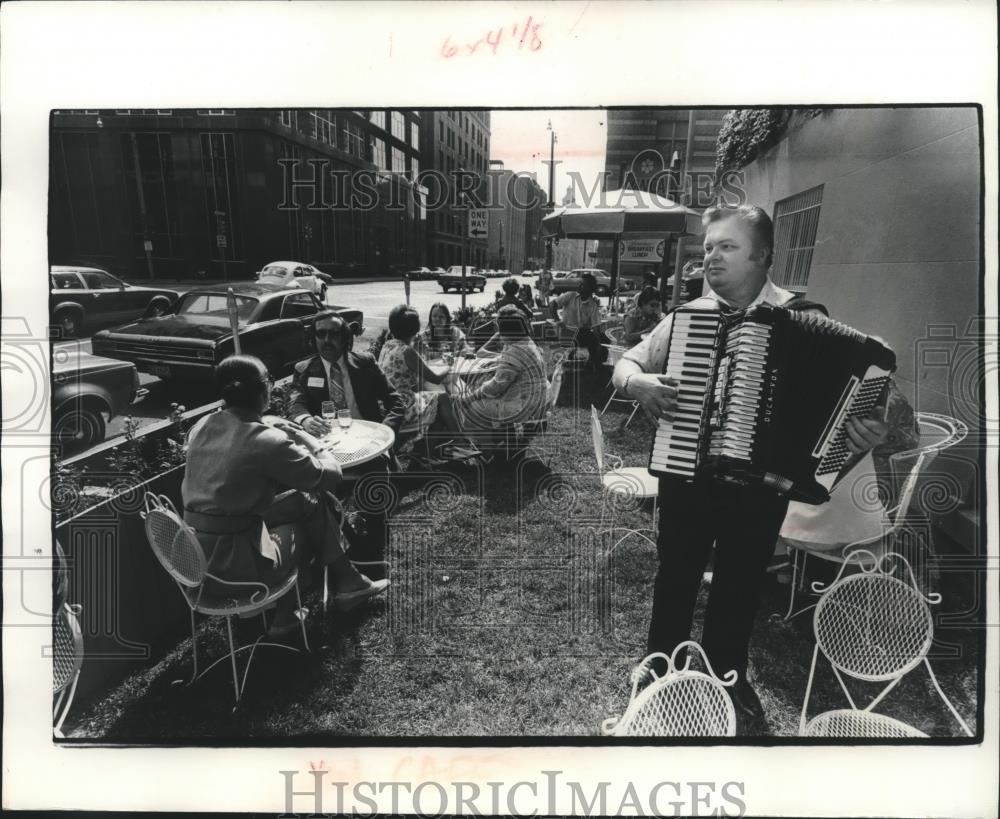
{"points": [[452, 278]]}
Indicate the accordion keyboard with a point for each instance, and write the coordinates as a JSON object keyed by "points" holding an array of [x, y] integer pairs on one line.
{"points": [[859, 403], [675, 447]]}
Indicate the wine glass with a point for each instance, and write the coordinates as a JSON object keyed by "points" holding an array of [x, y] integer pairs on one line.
{"points": [[344, 418]]}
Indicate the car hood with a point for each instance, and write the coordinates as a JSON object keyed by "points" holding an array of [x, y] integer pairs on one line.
{"points": [[208, 328]]}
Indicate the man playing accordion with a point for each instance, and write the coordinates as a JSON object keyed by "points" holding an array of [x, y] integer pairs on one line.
{"points": [[742, 521]]}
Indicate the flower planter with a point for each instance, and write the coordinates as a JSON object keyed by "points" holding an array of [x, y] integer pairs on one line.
{"points": [[132, 610]]}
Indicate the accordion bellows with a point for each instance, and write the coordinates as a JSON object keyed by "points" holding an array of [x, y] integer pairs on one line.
{"points": [[763, 398]]}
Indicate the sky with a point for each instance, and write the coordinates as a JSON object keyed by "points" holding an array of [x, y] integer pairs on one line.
{"points": [[521, 140]]}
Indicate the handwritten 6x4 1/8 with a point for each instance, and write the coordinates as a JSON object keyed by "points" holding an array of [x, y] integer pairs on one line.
{"points": [[523, 34]]}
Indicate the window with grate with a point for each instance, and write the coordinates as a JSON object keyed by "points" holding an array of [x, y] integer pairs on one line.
{"points": [[378, 118], [795, 221], [354, 140]]}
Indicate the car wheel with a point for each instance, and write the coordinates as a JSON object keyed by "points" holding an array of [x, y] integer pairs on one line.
{"points": [[601, 290], [322, 294], [157, 309], [69, 322], [78, 428]]}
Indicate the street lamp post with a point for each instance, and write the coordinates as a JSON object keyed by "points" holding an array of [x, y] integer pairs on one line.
{"points": [[552, 181]]}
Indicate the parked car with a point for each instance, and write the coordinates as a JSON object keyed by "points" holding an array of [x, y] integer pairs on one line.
{"points": [[453, 279], [564, 281], [420, 274], [87, 392], [326, 278], [293, 274], [88, 297], [275, 324]]}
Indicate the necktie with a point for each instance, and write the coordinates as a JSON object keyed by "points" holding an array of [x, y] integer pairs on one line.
{"points": [[337, 394]]}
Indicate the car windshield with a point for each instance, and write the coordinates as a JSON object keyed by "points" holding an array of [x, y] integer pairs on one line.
{"points": [[214, 304], [274, 272]]}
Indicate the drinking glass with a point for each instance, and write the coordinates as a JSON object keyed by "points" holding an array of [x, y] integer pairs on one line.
{"points": [[329, 411], [344, 418]]}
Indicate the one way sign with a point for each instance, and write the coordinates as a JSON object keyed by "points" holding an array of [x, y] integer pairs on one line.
{"points": [[477, 223]]}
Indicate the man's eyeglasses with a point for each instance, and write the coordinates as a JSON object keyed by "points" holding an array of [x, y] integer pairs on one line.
{"points": [[327, 333]]}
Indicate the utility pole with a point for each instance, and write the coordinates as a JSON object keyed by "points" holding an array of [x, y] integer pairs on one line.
{"points": [[147, 245], [552, 181]]}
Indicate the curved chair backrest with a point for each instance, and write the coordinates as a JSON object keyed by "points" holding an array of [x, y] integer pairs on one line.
{"points": [[67, 646], [872, 625], [681, 703], [847, 722], [174, 543], [598, 435], [937, 433]]}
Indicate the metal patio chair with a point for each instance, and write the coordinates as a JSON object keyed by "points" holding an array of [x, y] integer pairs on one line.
{"points": [[623, 483], [178, 550], [845, 722], [874, 627], [678, 703], [937, 433], [67, 661], [615, 352]]}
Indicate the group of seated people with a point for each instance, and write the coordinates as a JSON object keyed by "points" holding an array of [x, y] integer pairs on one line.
{"points": [[239, 462]]}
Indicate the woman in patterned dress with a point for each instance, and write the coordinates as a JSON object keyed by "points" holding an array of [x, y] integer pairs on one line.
{"points": [[407, 372]]}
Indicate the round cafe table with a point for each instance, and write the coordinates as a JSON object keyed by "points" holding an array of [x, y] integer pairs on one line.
{"points": [[359, 443]]}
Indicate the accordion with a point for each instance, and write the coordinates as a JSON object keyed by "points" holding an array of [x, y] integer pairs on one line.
{"points": [[763, 396]]}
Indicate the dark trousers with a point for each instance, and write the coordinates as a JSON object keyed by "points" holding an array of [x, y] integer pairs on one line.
{"points": [[743, 523], [592, 339]]}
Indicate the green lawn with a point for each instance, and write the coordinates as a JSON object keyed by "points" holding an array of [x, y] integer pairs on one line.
{"points": [[505, 618]]}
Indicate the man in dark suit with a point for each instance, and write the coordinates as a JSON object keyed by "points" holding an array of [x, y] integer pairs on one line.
{"points": [[355, 382], [358, 383]]}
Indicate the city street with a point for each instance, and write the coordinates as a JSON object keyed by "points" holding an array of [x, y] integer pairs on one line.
{"points": [[375, 298]]}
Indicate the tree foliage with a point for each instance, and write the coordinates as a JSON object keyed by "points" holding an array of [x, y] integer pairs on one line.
{"points": [[746, 133]]}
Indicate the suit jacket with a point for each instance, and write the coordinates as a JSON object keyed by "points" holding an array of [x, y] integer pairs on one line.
{"points": [[376, 400]]}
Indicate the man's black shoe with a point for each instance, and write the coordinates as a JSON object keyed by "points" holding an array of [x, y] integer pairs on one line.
{"points": [[749, 711]]}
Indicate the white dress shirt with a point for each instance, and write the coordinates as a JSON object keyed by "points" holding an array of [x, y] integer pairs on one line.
{"points": [[345, 380]]}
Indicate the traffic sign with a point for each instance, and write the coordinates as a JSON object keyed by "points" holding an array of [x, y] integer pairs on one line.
{"points": [[477, 223], [147, 246], [220, 240]]}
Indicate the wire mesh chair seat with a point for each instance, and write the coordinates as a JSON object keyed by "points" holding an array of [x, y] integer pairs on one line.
{"points": [[624, 486], [679, 703], [846, 722], [937, 432], [874, 627], [67, 660], [615, 352], [176, 547]]}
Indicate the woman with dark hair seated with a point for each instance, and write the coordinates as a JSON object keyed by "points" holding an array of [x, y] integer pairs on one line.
{"points": [[440, 335], [407, 372], [511, 290], [236, 466], [526, 296], [518, 390]]}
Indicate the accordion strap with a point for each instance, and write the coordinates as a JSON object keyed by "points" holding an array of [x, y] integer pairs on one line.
{"points": [[802, 303]]}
